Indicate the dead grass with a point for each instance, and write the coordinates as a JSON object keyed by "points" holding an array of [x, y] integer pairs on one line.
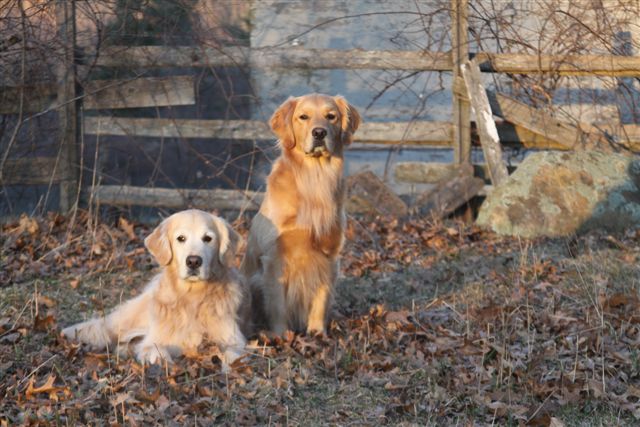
{"points": [[434, 325]]}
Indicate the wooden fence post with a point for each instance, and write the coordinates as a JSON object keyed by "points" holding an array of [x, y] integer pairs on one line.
{"points": [[461, 108], [68, 111]]}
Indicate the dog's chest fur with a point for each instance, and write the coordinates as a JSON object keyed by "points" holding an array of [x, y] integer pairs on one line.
{"points": [[310, 197], [196, 306]]}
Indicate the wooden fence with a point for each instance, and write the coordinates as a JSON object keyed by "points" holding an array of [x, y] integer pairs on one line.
{"points": [[521, 123]]}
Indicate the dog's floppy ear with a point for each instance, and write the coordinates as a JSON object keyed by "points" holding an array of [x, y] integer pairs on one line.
{"points": [[158, 244], [282, 123], [229, 240], [350, 119]]}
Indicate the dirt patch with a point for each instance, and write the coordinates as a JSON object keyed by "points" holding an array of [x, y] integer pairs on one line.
{"points": [[435, 324]]}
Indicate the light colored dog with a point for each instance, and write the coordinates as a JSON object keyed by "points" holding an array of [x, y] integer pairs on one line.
{"points": [[294, 241], [197, 293]]}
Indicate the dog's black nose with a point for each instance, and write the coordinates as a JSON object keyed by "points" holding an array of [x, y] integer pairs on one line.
{"points": [[194, 261], [319, 133]]}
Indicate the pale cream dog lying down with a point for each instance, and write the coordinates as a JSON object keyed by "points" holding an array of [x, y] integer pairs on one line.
{"points": [[198, 293]]}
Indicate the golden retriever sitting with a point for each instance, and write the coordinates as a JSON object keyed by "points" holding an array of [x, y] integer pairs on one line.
{"points": [[294, 241], [197, 293]]}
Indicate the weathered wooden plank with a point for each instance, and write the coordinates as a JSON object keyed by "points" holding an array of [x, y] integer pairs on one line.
{"points": [[461, 108], [487, 130], [449, 194], [510, 133], [459, 88], [435, 133], [367, 193], [301, 58], [141, 92], [572, 65], [410, 133], [424, 172], [176, 198], [626, 135], [115, 195], [395, 132], [535, 120], [298, 57], [178, 128], [106, 94], [32, 171]]}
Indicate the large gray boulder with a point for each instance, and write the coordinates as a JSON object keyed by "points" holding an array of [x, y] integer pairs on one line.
{"points": [[560, 193]]}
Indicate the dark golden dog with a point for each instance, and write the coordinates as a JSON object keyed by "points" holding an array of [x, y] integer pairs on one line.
{"points": [[295, 239]]}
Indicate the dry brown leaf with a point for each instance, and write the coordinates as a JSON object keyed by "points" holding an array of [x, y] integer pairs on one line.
{"points": [[397, 316], [48, 387], [121, 398], [27, 224], [43, 323], [127, 227], [46, 301], [162, 403], [621, 300], [595, 386]]}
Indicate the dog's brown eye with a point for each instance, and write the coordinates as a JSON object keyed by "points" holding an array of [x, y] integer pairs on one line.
{"points": [[181, 239], [206, 238], [331, 116], [304, 117]]}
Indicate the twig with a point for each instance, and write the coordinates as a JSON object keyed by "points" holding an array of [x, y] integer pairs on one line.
{"points": [[35, 370], [540, 406]]}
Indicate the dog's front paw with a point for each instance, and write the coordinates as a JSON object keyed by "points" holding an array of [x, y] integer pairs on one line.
{"points": [[231, 355], [152, 354], [316, 328], [321, 333], [93, 332]]}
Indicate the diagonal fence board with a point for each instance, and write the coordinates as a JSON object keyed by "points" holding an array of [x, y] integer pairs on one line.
{"points": [[487, 130], [540, 122]]}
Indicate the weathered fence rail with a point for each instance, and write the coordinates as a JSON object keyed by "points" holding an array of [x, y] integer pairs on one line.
{"points": [[176, 198], [434, 133], [306, 58]]}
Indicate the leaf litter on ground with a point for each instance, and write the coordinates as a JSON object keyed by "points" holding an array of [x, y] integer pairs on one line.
{"points": [[434, 323]]}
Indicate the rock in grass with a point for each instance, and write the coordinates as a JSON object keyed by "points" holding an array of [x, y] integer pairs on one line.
{"points": [[560, 193]]}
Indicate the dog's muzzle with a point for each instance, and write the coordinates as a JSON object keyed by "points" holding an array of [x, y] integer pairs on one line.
{"points": [[319, 146], [194, 262]]}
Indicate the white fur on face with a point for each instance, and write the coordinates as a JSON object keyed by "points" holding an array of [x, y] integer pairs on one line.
{"points": [[194, 234]]}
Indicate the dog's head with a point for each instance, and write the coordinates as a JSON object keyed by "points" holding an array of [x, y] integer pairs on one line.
{"points": [[315, 125], [198, 245]]}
